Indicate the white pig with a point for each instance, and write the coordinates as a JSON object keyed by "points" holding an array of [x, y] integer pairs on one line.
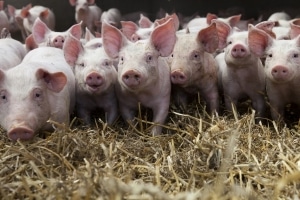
{"points": [[30, 14], [143, 73], [16, 19], [95, 77], [43, 36], [111, 16], [4, 22], [281, 68], [241, 73], [40, 88], [87, 12], [193, 67], [12, 53]]}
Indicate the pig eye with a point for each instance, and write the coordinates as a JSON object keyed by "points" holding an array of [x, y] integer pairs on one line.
{"points": [[195, 55], [3, 95], [81, 64], [149, 58], [106, 63], [37, 94], [229, 42], [172, 55], [270, 55], [295, 55]]}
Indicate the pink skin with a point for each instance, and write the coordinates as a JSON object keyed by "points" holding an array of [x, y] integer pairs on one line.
{"points": [[96, 77], [4, 22], [43, 36], [281, 68], [12, 53], [241, 73], [193, 67], [45, 90], [143, 75], [30, 14], [87, 12]]}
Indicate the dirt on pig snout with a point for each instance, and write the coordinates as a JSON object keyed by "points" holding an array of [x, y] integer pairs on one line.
{"points": [[197, 157]]}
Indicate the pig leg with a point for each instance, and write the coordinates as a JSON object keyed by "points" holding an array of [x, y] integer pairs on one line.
{"points": [[180, 97], [211, 97], [258, 104], [160, 114], [112, 113], [84, 114]]}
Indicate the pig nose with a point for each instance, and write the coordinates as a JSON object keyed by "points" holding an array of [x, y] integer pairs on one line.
{"points": [[280, 72], [94, 80], [238, 51], [58, 42], [132, 78], [21, 133], [178, 77]]}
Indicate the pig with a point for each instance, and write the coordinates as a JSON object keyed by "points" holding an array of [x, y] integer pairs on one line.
{"points": [[4, 22], [16, 20], [12, 53], [143, 73], [241, 72], [96, 78], [87, 12], [30, 14], [40, 88], [43, 36], [111, 16], [134, 32], [281, 69], [194, 69]]}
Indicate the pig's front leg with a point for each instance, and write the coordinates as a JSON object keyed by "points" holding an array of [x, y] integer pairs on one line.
{"points": [[160, 113], [212, 99], [112, 113], [84, 114], [259, 105]]}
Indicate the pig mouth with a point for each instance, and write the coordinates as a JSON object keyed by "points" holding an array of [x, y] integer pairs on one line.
{"points": [[94, 88]]}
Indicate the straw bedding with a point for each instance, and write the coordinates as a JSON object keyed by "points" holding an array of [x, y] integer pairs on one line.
{"points": [[197, 157]]}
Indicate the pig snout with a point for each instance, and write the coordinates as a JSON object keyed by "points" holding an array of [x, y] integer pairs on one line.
{"points": [[58, 42], [238, 51], [178, 77], [94, 80], [280, 73], [22, 133], [132, 78]]}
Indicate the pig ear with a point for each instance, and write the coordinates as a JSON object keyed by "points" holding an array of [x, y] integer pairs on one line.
{"points": [[145, 22], [113, 40], [72, 48], [55, 81], [73, 2], [258, 40], [234, 20], [90, 1], [25, 12], [76, 30], [40, 30], [11, 10], [129, 28], [210, 17], [30, 43], [88, 35], [295, 28], [224, 31], [266, 26], [208, 38], [163, 38], [44, 14]]}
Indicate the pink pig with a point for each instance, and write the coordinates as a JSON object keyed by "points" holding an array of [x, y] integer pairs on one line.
{"points": [[87, 12], [12, 53], [43, 36], [42, 87], [241, 73], [4, 22], [193, 67], [96, 77], [143, 73], [29, 15], [281, 69]]}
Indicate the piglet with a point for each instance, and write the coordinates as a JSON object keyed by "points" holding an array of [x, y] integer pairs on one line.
{"points": [[30, 14], [281, 68], [40, 88], [241, 73], [43, 36], [4, 22], [194, 69], [143, 73], [87, 12], [96, 78], [12, 53]]}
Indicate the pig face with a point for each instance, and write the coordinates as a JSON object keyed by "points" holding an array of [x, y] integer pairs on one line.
{"points": [[43, 36], [24, 104]]}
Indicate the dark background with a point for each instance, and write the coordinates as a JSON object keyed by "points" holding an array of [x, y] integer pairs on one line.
{"points": [[65, 13]]}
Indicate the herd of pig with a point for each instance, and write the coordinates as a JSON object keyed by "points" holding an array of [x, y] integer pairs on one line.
{"points": [[104, 62]]}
